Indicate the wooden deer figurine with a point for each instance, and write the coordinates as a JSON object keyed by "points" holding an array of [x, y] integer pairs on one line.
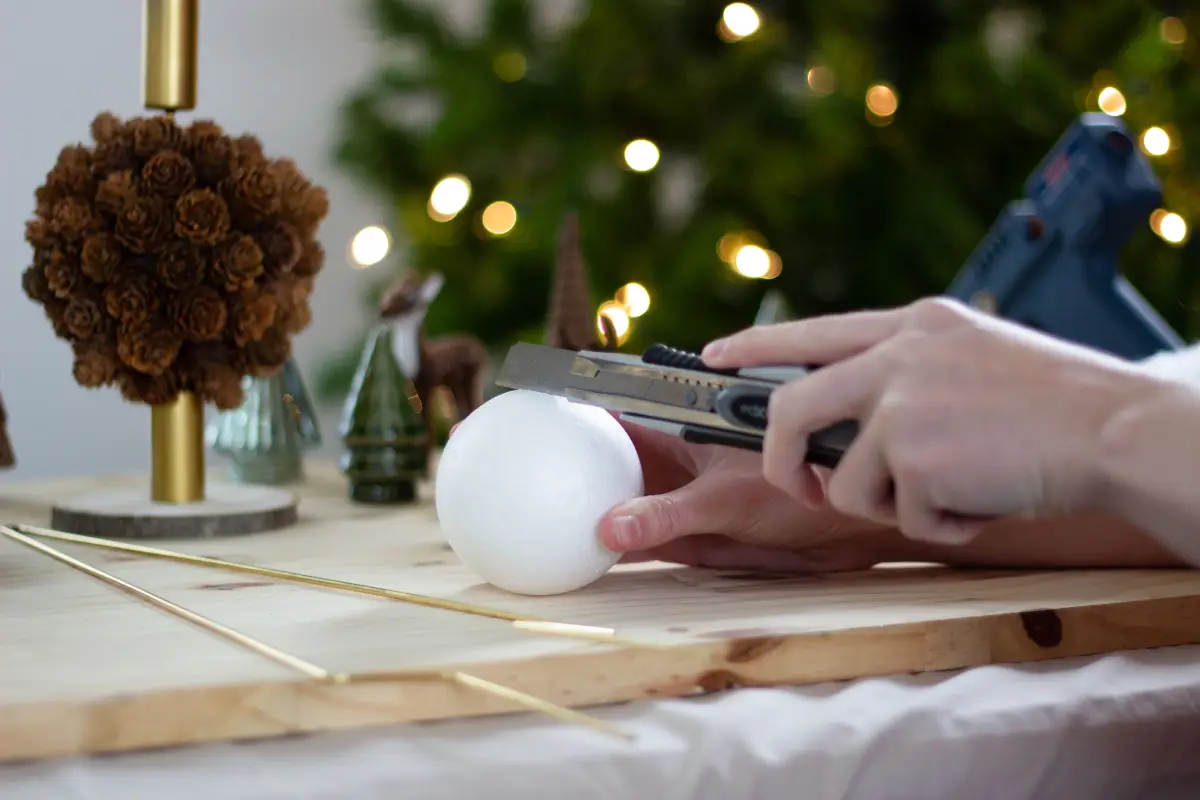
{"points": [[7, 458], [457, 362]]}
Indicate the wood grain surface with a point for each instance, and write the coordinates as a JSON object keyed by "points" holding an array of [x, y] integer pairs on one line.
{"points": [[85, 668]]}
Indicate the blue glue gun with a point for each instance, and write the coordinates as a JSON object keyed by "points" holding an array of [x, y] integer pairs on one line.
{"points": [[1050, 260]]}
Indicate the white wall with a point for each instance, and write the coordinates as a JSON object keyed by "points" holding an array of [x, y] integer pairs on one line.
{"points": [[277, 68]]}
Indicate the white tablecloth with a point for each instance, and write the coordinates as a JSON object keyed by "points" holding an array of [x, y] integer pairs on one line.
{"points": [[1119, 726]]}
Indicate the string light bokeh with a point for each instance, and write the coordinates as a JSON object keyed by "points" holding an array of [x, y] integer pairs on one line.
{"points": [[369, 246], [738, 21], [499, 218], [641, 155], [745, 253], [450, 195]]}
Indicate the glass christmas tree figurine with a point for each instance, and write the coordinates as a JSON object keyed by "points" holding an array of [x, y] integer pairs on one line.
{"points": [[385, 436], [263, 438], [773, 309], [297, 394]]}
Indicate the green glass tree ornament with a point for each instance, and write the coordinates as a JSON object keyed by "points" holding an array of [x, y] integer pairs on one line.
{"points": [[262, 437], [773, 309], [385, 437], [297, 394]]}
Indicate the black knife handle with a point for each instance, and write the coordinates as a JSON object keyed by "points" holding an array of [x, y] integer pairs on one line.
{"points": [[747, 405], [661, 355], [824, 447]]}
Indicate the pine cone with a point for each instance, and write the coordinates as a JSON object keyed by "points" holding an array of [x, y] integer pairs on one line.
{"points": [[253, 196], [311, 260], [72, 175], [113, 157], [35, 285], [281, 248], [83, 317], [95, 366], [147, 351], [115, 191], [253, 313], [249, 150], [72, 218], [236, 264], [211, 151], [181, 266], [201, 315], [143, 224], [39, 233], [101, 257], [106, 128], [202, 216], [62, 274], [155, 133], [132, 301], [168, 175], [265, 356], [152, 390]]}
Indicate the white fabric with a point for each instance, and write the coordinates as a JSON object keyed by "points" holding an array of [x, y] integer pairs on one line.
{"points": [[1113, 727]]}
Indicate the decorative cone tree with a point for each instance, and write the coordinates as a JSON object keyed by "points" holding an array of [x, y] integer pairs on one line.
{"points": [[869, 146], [385, 436]]}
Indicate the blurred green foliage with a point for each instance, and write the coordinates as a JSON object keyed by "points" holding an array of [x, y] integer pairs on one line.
{"points": [[861, 214]]}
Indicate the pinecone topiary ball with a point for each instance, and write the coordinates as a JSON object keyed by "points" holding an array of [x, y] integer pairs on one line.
{"points": [[174, 258]]}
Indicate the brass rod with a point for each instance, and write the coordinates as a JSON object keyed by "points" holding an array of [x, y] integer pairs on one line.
{"points": [[310, 670], [269, 572], [566, 630], [177, 450], [263, 649], [170, 42]]}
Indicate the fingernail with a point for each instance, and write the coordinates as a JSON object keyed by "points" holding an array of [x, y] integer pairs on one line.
{"points": [[623, 532], [713, 348]]}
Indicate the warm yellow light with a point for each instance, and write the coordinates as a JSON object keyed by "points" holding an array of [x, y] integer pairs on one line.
{"points": [[1172, 31], [641, 155], [617, 315], [1170, 226], [1156, 141], [775, 266], [752, 261], [634, 298], [882, 100], [499, 218], [370, 246], [740, 19], [821, 80], [510, 66], [450, 196], [1111, 101]]}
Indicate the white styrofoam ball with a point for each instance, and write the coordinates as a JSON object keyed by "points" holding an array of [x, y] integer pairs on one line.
{"points": [[522, 485]]}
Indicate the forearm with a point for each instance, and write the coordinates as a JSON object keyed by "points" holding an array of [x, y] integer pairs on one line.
{"points": [[1150, 465], [1090, 541]]}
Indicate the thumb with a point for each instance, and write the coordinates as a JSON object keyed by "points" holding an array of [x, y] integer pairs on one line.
{"points": [[653, 520]]}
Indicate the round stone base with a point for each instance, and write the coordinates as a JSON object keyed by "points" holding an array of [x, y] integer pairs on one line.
{"points": [[229, 509]]}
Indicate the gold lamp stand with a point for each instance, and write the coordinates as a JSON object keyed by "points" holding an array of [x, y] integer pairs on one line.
{"points": [[179, 505]]}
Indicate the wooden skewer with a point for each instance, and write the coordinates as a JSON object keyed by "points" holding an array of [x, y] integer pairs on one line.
{"points": [[263, 649], [307, 668], [521, 622]]}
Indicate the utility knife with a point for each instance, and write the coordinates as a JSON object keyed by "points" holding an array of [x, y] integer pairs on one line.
{"points": [[672, 391]]}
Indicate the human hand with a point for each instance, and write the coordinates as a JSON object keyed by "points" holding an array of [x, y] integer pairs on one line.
{"points": [[710, 506], [963, 417]]}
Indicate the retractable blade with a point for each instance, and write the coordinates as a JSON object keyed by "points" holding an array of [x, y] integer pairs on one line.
{"points": [[554, 371]]}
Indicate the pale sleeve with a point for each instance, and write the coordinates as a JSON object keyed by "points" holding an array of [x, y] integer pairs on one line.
{"points": [[1176, 365]]}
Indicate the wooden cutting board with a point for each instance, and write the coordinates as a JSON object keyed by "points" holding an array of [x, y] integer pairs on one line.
{"points": [[86, 668]]}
